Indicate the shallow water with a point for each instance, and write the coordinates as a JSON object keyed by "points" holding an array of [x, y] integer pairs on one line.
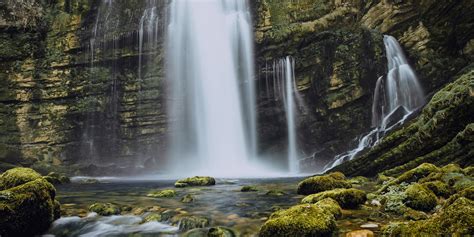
{"points": [[223, 204]]}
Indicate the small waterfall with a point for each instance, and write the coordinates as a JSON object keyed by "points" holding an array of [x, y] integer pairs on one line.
{"points": [[285, 88], [395, 98], [149, 27], [210, 70]]}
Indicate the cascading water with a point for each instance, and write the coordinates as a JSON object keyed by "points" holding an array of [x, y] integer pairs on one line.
{"points": [[285, 88], [394, 100], [210, 69], [148, 32]]}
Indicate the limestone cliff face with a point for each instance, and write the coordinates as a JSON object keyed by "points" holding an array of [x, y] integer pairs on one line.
{"points": [[66, 99], [75, 90]]}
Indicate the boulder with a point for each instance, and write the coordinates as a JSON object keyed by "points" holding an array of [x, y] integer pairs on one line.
{"points": [[105, 209], [169, 193], [27, 203], [420, 198], [347, 198], [322, 183], [300, 220], [195, 181]]}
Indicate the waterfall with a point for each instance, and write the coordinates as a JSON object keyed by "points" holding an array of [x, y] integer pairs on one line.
{"points": [[210, 71], [394, 100], [285, 88], [149, 27]]}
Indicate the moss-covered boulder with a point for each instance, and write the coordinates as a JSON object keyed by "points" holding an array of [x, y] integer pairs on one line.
{"points": [[187, 222], [330, 205], [152, 217], [439, 188], [347, 198], [413, 175], [249, 189], [56, 178], [301, 220], [322, 183], [195, 181], [105, 209], [456, 219], [420, 198], [28, 205], [17, 176], [188, 198], [169, 193]]}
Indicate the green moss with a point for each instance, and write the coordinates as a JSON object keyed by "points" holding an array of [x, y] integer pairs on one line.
{"points": [[105, 209], [17, 176], [347, 198], [249, 189], [28, 209], [300, 220], [358, 180], [469, 171], [457, 219], [195, 181], [318, 184], [186, 222], [152, 217], [420, 198], [55, 178], [439, 188], [330, 205], [413, 175], [467, 193], [162, 194], [452, 168], [188, 198], [337, 175]]}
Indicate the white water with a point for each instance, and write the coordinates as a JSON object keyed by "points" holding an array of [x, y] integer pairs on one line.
{"points": [[210, 70], [394, 100], [285, 88], [94, 225]]}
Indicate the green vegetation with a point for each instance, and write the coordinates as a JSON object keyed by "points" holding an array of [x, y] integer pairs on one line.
{"points": [[318, 184], [105, 209], [169, 193], [347, 198], [195, 181]]}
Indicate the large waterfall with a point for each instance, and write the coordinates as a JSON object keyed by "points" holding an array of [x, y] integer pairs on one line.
{"points": [[210, 71], [395, 98]]}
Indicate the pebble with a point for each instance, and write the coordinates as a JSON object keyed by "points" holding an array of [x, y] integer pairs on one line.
{"points": [[375, 203], [370, 226], [360, 233]]}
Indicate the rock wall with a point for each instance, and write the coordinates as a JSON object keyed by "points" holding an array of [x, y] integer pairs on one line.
{"points": [[67, 101]]}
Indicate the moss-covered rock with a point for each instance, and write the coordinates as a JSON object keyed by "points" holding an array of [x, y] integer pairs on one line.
{"points": [[469, 171], [29, 208], [301, 220], [195, 181], [439, 188], [249, 189], [347, 198], [17, 176], [413, 175], [105, 209], [55, 178], [322, 183], [169, 193], [186, 222], [188, 198], [152, 217], [275, 192], [330, 205], [420, 198], [456, 219]]}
